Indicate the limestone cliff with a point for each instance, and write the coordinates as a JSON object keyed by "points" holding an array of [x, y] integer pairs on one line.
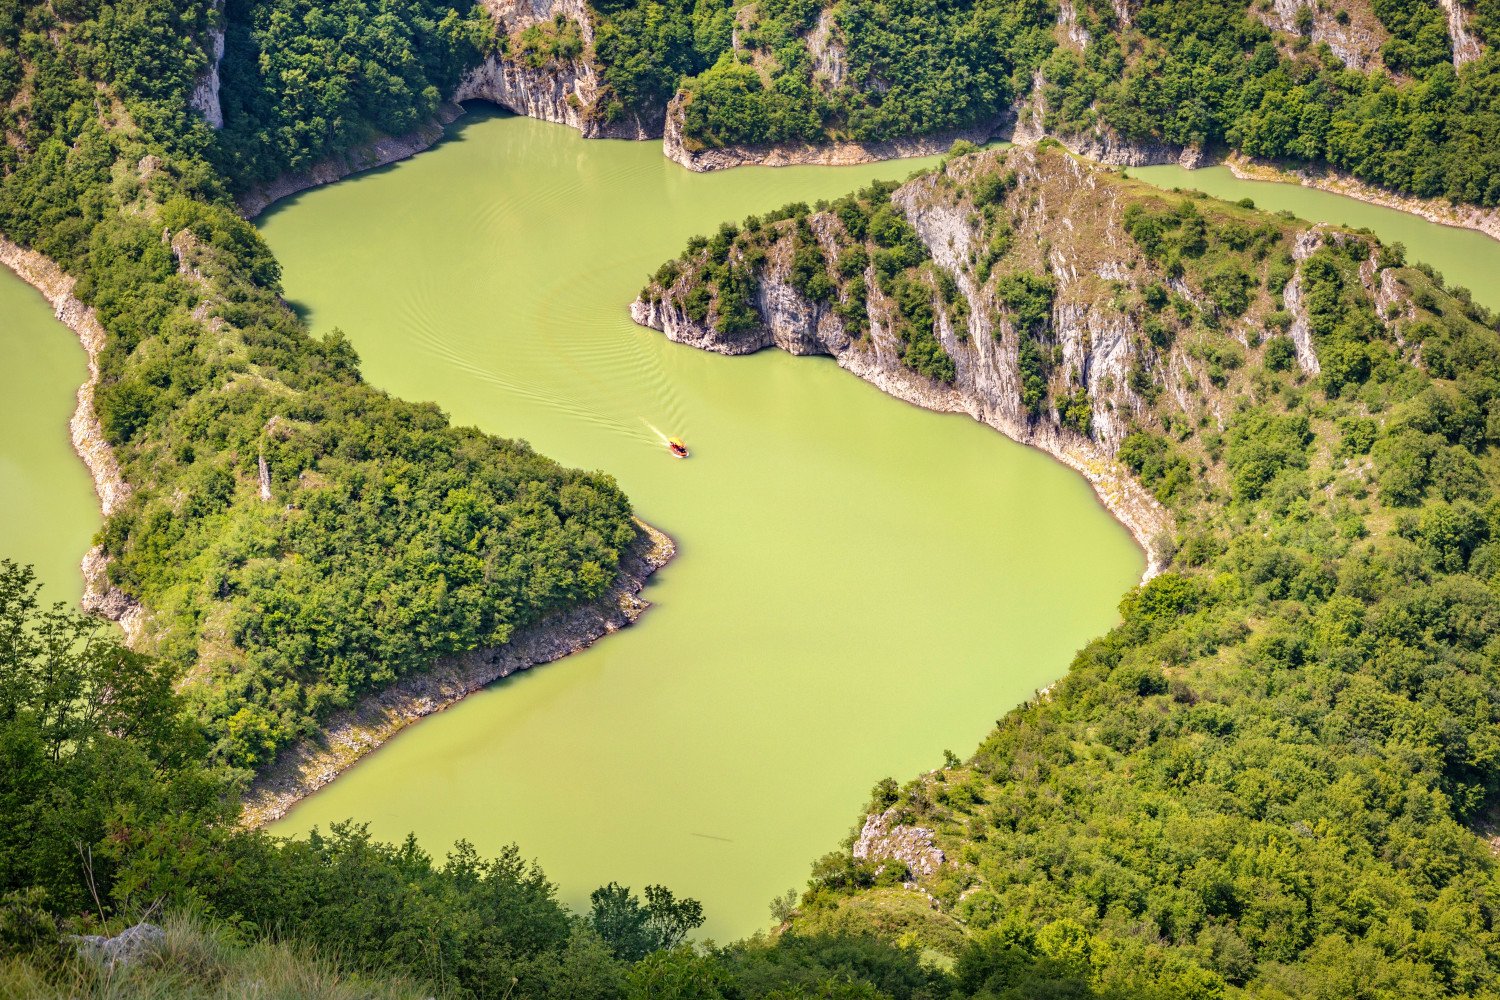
{"points": [[562, 86], [1466, 47], [1038, 312], [1349, 28], [205, 96]]}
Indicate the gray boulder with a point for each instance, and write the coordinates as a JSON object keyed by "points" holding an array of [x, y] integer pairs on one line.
{"points": [[129, 945]]}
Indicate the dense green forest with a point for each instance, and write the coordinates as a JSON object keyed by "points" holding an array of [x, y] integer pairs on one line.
{"points": [[1271, 778], [302, 80], [1179, 73], [388, 538]]}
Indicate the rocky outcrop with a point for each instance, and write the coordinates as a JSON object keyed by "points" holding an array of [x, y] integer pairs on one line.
{"points": [[568, 91], [1465, 46], [1093, 340], [47, 277], [130, 945], [1069, 28], [1301, 329], [307, 766], [1351, 30], [883, 837], [205, 96], [563, 92], [830, 58]]}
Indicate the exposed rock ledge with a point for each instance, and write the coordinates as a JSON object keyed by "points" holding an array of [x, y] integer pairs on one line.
{"points": [[43, 274], [883, 836], [307, 766], [205, 96], [1441, 211], [376, 153]]}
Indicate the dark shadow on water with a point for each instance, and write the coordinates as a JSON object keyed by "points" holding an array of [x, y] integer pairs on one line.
{"points": [[475, 113]]}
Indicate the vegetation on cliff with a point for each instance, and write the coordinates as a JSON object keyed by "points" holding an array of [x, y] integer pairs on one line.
{"points": [[296, 536], [1268, 779], [1271, 776]]}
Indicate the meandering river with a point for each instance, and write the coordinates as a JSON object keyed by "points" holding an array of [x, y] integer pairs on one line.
{"points": [[860, 584]]}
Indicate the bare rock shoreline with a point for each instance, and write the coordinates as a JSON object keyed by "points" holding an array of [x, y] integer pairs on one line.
{"points": [[309, 765], [1441, 211]]}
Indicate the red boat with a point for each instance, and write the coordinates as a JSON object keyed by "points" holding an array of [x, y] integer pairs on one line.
{"points": [[678, 449]]}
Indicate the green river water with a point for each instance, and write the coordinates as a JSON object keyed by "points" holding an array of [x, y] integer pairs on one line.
{"points": [[48, 513], [859, 583]]}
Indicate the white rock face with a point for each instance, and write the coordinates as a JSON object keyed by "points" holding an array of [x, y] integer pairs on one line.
{"points": [[1067, 19], [830, 60], [883, 838], [1301, 331], [1356, 41], [1465, 45], [562, 91], [205, 97]]}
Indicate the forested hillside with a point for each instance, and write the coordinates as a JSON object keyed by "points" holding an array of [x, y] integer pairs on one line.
{"points": [[1274, 778], [293, 536], [1380, 90], [1278, 772], [303, 80], [1401, 95]]}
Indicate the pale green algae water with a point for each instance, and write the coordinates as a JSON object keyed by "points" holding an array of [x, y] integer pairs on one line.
{"points": [[48, 512], [861, 583]]}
